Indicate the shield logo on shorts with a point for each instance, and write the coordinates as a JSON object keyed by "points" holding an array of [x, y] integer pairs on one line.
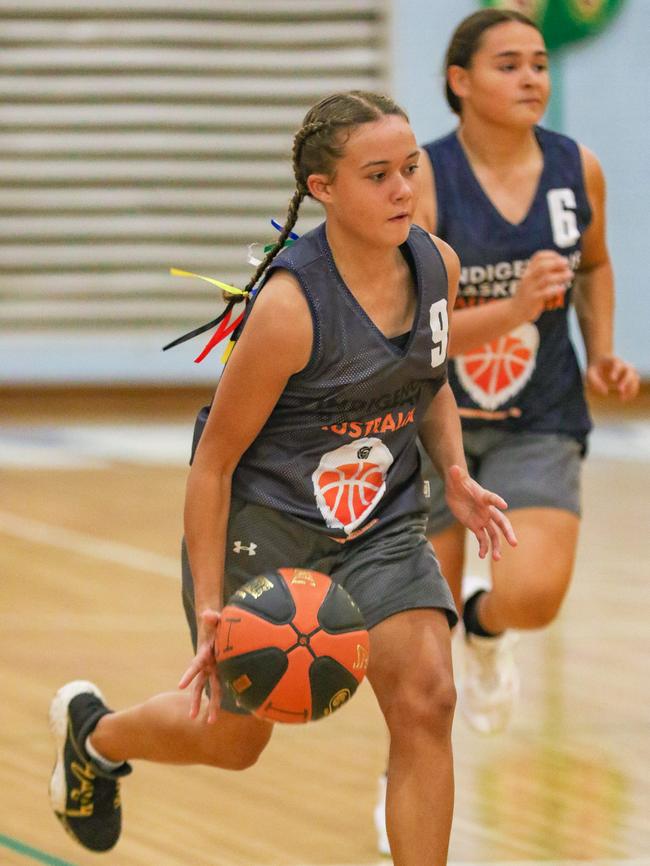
{"points": [[498, 370], [350, 481]]}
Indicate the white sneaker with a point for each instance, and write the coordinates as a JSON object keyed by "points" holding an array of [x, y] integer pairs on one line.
{"points": [[491, 685], [489, 690], [380, 818]]}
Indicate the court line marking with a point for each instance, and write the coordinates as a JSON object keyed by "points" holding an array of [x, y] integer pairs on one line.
{"points": [[84, 544], [33, 853]]}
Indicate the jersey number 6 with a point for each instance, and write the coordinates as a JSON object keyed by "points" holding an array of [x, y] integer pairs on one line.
{"points": [[561, 207]]}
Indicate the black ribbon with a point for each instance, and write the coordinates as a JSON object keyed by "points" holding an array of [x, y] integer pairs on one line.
{"points": [[202, 328]]}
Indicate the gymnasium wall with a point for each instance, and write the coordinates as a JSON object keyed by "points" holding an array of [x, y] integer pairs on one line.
{"points": [[135, 137], [139, 137], [604, 86]]}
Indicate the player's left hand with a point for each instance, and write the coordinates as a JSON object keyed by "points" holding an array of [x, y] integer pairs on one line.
{"points": [[612, 373], [480, 511]]}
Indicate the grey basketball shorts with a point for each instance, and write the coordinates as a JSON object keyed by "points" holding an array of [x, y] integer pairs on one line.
{"points": [[529, 470], [387, 570]]}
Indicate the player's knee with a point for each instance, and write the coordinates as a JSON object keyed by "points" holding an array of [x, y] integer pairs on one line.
{"points": [[543, 607], [239, 754], [240, 757], [243, 758], [427, 704]]}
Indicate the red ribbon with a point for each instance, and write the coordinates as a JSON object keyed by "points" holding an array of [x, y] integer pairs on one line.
{"points": [[224, 329]]}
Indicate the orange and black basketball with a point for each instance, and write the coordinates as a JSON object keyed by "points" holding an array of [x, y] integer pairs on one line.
{"points": [[292, 646]]}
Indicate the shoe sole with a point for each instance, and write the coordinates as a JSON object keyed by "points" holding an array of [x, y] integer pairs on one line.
{"points": [[59, 727]]}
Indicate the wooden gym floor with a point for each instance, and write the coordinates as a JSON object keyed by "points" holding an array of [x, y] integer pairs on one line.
{"points": [[92, 488]]}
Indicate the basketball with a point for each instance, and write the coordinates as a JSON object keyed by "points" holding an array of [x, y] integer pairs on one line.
{"points": [[292, 646]]}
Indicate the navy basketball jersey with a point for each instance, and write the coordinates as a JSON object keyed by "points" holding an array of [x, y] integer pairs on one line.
{"points": [[338, 450], [528, 379]]}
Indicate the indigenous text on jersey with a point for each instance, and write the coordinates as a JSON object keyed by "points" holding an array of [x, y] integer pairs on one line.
{"points": [[493, 281]]}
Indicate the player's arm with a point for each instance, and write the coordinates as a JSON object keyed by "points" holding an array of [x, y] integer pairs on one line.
{"points": [[546, 274], [275, 343], [440, 434], [594, 294]]}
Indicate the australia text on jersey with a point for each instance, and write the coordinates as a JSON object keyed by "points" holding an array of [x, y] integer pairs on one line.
{"points": [[390, 418], [382, 424]]}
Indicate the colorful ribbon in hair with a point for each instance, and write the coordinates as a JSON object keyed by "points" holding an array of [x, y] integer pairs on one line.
{"points": [[292, 236], [224, 327]]}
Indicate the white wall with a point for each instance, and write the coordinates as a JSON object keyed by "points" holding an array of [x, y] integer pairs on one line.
{"points": [[604, 87]]}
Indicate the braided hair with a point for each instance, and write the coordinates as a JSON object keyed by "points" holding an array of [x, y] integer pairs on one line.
{"points": [[320, 143], [317, 146]]}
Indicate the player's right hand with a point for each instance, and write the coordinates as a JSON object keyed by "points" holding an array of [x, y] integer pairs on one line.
{"points": [[203, 668], [547, 274]]}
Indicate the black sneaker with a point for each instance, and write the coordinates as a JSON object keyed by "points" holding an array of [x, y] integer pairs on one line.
{"points": [[85, 798]]}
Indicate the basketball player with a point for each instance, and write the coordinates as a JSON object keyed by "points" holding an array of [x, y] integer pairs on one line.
{"points": [[342, 359], [525, 210]]}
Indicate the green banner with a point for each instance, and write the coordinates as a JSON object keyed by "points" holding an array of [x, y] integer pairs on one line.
{"points": [[564, 21]]}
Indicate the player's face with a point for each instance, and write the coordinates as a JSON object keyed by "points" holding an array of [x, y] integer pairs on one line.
{"points": [[372, 195], [508, 79]]}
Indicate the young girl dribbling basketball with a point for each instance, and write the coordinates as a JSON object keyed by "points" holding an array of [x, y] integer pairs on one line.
{"points": [[344, 351]]}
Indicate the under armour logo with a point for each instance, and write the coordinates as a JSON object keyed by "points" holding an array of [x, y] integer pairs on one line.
{"points": [[249, 548]]}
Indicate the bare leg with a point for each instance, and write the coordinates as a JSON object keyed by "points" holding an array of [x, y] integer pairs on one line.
{"points": [[531, 580], [160, 730], [411, 674]]}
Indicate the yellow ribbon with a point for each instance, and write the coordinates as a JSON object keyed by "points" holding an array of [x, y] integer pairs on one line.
{"points": [[232, 290], [226, 354]]}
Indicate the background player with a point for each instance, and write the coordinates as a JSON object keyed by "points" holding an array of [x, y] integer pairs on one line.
{"points": [[354, 317], [524, 208]]}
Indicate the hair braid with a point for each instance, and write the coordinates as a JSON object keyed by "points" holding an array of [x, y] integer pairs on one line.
{"points": [[317, 146], [289, 223], [305, 131]]}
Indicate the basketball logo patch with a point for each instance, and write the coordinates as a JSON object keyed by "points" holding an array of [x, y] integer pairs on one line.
{"points": [[350, 481], [498, 370]]}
